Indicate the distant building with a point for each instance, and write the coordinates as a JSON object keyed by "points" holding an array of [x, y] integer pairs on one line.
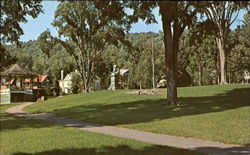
{"points": [[13, 86], [66, 83], [41, 81]]}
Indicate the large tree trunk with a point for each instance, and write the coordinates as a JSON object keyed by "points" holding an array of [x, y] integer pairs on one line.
{"points": [[170, 59], [86, 89], [85, 83], [88, 74], [221, 45], [171, 87], [84, 78]]}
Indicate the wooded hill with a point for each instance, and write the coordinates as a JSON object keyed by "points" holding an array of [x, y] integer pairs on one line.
{"points": [[198, 61]]}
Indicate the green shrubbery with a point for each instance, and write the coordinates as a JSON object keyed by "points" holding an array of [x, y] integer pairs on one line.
{"points": [[76, 84]]}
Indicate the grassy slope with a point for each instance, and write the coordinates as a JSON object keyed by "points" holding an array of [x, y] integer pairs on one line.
{"points": [[26, 136], [218, 113]]}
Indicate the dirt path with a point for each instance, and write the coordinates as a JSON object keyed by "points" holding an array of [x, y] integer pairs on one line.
{"points": [[152, 138]]}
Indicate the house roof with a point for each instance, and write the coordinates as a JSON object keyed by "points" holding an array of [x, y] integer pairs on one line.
{"points": [[71, 74], [16, 70], [74, 73], [41, 78], [26, 80]]}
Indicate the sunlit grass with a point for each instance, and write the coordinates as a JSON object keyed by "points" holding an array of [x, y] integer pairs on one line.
{"points": [[28, 136], [217, 113]]}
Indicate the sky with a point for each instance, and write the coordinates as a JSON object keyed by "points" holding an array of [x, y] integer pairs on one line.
{"points": [[34, 27]]}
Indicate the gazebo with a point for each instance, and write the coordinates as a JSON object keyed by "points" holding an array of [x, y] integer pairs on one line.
{"points": [[15, 76]]}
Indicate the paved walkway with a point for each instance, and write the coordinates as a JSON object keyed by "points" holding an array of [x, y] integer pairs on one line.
{"points": [[152, 138]]}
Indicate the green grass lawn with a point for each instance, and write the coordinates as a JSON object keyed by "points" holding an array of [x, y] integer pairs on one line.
{"points": [[217, 113], [22, 136]]}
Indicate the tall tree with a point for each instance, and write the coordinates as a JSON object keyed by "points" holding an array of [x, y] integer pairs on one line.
{"points": [[240, 52], [45, 43], [141, 57], [90, 26], [12, 14], [176, 16], [202, 54], [6, 58], [223, 14]]}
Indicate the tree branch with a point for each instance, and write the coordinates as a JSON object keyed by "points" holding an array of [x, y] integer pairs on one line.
{"points": [[237, 14]]}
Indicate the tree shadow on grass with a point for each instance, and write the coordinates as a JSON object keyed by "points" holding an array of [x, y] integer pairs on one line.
{"points": [[137, 111], [225, 151], [9, 122], [118, 150], [151, 110]]}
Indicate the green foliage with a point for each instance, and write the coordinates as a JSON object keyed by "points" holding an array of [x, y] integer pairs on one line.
{"points": [[76, 83], [194, 51], [45, 43], [138, 58], [6, 58], [56, 90], [48, 91], [201, 54], [223, 14], [90, 27], [31, 57], [239, 52], [12, 14], [95, 41]]}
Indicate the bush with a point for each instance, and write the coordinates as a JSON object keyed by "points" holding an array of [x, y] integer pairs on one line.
{"points": [[48, 91], [76, 84], [61, 92], [54, 93], [57, 89]]}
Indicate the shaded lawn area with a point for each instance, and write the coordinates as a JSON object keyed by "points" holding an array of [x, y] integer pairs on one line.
{"points": [[217, 113], [21, 136]]}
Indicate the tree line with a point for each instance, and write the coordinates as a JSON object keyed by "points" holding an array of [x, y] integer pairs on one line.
{"points": [[195, 47]]}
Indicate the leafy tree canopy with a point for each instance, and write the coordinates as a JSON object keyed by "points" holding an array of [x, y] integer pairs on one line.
{"points": [[12, 14]]}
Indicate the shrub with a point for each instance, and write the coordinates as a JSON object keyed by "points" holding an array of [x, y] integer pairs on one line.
{"points": [[76, 83]]}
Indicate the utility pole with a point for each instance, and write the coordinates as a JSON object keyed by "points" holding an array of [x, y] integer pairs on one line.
{"points": [[153, 62]]}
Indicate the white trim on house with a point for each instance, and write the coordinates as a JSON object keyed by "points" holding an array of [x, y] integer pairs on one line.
{"points": [[66, 83]]}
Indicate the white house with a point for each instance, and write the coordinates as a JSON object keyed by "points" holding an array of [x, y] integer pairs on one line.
{"points": [[66, 83]]}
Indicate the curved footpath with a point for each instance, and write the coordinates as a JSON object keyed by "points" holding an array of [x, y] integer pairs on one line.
{"points": [[152, 138]]}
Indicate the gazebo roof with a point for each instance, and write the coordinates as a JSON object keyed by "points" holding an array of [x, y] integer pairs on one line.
{"points": [[16, 70]]}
